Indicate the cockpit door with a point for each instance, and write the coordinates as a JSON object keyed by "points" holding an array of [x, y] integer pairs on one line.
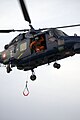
{"points": [[12, 51]]}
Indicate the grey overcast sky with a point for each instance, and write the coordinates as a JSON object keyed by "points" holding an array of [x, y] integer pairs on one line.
{"points": [[55, 95]]}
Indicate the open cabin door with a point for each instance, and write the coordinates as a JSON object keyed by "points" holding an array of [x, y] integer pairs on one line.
{"points": [[38, 43]]}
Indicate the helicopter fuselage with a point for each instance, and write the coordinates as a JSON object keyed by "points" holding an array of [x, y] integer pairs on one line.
{"points": [[56, 45], [38, 47]]}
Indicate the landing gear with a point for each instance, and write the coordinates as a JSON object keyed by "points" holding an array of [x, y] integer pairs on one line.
{"points": [[56, 65], [8, 68], [33, 76]]}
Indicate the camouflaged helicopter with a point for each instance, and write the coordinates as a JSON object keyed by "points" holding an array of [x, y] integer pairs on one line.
{"points": [[34, 48]]}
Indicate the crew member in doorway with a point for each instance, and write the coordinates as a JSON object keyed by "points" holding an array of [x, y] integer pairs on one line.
{"points": [[37, 44]]}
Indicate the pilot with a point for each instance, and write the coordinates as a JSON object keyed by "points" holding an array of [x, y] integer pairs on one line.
{"points": [[37, 44]]}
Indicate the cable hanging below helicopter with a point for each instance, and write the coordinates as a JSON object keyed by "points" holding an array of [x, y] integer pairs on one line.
{"points": [[26, 90]]}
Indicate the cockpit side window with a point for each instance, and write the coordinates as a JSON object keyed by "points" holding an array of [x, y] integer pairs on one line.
{"points": [[23, 46]]}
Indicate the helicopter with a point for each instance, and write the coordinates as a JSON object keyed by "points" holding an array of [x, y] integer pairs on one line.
{"points": [[34, 48]]}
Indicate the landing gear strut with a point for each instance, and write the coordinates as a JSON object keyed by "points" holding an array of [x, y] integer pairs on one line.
{"points": [[8, 68], [56, 65], [33, 76]]}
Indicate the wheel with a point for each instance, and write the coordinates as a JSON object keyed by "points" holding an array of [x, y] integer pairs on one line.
{"points": [[33, 77], [8, 69], [56, 65]]}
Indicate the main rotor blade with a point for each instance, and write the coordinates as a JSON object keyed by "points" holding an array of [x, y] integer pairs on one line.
{"points": [[24, 30], [6, 31], [12, 30], [69, 26], [25, 11]]}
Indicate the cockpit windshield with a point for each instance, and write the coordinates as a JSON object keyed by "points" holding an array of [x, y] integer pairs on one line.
{"points": [[16, 39]]}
